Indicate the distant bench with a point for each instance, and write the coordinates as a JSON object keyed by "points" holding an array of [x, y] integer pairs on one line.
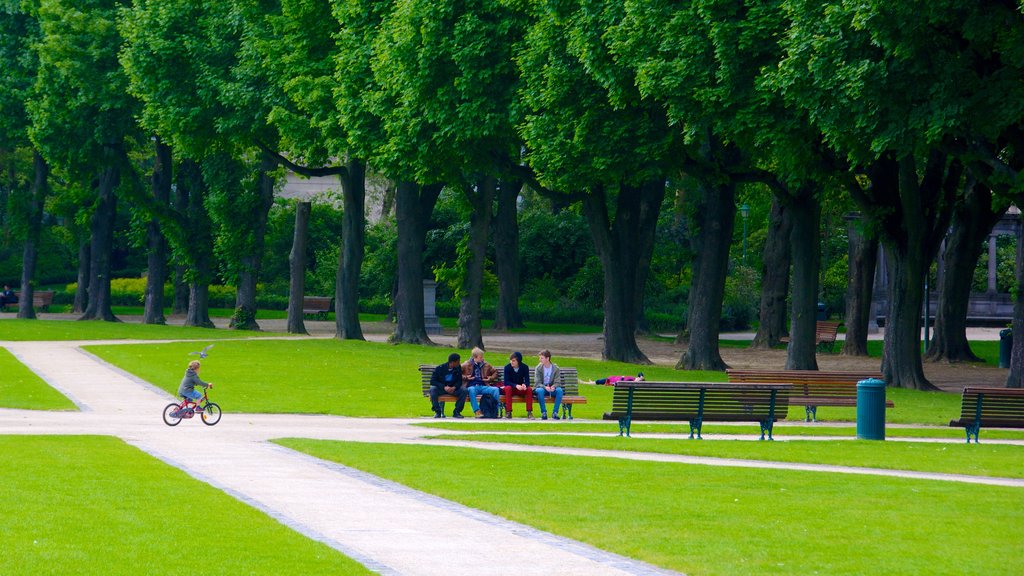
{"points": [[812, 388], [41, 299], [316, 305], [825, 332], [570, 386], [699, 402], [992, 407]]}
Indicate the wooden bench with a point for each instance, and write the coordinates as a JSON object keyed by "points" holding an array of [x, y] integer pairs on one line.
{"points": [[992, 407], [825, 332], [812, 388], [41, 299], [570, 385], [699, 402], [316, 305]]}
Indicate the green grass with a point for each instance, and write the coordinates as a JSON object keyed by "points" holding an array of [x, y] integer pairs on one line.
{"points": [[782, 430], [974, 459], [94, 505], [51, 330], [327, 376], [21, 388], [705, 520], [355, 378]]}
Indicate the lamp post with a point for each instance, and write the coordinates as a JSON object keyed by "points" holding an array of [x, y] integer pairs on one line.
{"points": [[744, 211]]}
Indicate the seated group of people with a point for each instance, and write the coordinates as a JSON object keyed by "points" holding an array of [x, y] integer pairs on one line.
{"points": [[477, 377]]}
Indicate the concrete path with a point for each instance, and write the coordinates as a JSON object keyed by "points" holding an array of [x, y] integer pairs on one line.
{"points": [[388, 527]]}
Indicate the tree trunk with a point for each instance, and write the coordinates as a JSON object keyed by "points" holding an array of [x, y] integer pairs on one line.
{"points": [[353, 248], [912, 236], [156, 275], [1015, 378], [506, 256], [102, 229], [711, 235], [806, 249], [413, 207], [181, 289], [35, 224], [297, 269], [244, 317], [775, 278], [863, 259], [470, 330], [973, 219], [84, 259], [198, 246], [623, 243]]}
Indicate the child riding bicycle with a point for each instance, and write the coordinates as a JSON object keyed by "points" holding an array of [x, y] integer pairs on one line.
{"points": [[187, 390]]}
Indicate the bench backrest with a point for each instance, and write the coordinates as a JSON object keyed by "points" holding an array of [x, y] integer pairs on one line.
{"points": [[841, 384], [999, 406], [684, 400], [826, 330], [316, 303], [570, 379], [39, 297]]}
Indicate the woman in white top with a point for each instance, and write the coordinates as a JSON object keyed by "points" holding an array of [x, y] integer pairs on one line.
{"points": [[548, 382]]}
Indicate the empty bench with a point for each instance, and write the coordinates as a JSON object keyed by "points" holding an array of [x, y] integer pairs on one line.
{"points": [[41, 299], [991, 407], [812, 388], [316, 305], [699, 402], [570, 385], [825, 332]]}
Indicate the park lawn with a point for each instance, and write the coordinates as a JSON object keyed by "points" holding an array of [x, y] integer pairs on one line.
{"points": [[328, 376], [53, 330], [782, 430], [709, 520], [95, 505], [357, 378], [21, 388], [998, 460]]}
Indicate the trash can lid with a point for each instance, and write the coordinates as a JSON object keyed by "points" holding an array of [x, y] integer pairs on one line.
{"points": [[871, 383]]}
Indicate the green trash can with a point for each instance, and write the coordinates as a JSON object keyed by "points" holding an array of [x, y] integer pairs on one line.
{"points": [[1005, 347], [871, 409]]}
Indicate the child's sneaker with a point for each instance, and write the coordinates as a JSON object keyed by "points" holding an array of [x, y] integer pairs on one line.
{"points": [[199, 409]]}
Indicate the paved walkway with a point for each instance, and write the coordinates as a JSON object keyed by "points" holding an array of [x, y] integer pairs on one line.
{"points": [[388, 527]]}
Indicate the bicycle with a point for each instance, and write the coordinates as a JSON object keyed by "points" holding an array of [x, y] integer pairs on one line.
{"points": [[210, 413]]}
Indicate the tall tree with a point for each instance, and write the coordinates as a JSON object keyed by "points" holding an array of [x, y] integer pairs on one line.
{"points": [[863, 259], [160, 186], [506, 255], [956, 71], [771, 326], [297, 268], [972, 221], [447, 71], [82, 116], [19, 29], [591, 136]]}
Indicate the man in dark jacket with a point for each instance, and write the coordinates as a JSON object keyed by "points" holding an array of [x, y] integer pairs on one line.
{"points": [[447, 379]]}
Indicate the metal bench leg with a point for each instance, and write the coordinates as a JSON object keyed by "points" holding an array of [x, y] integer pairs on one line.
{"points": [[695, 425], [973, 430], [624, 426], [567, 411]]}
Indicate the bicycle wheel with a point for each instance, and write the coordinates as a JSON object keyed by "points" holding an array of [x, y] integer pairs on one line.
{"points": [[211, 414], [171, 417]]}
